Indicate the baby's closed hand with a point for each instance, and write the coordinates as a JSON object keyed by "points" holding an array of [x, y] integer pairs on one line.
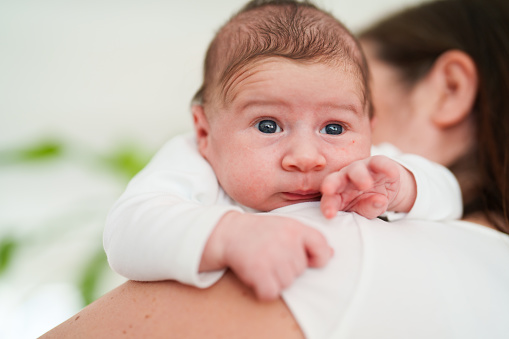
{"points": [[367, 187], [268, 252]]}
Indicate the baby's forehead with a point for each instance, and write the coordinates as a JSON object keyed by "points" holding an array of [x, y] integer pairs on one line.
{"points": [[279, 84], [345, 71]]}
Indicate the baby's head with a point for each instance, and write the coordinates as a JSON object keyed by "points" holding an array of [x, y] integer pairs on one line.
{"points": [[284, 102], [289, 29]]}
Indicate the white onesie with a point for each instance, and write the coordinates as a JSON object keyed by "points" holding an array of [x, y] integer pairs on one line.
{"points": [[158, 228]]}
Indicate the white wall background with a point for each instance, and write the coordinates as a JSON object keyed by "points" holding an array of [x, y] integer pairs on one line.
{"points": [[99, 71], [93, 74]]}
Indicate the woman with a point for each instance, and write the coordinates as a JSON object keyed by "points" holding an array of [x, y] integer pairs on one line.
{"points": [[440, 75], [461, 48]]}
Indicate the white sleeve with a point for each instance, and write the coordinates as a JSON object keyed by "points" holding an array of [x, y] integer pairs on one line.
{"points": [[438, 192], [158, 228]]}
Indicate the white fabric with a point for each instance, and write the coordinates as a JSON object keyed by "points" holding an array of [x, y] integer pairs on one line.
{"points": [[158, 228], [404, 279], [438, 191]]}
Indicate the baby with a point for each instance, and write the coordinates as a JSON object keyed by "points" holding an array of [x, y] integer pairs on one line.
{"points": [[282, 117]]}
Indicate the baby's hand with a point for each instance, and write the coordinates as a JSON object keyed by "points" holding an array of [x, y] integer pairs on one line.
{"points": [[368, 187], [266, 252]]}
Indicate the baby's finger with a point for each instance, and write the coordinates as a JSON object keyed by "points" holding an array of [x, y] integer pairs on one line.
{"points": [[382, 164], [266, 288], [285, 276], [318, 250], [330, 205], [334, 183], [372, 206], [299, 263], [360, 176]]}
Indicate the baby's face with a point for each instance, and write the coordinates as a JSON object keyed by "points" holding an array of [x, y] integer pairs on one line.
{"points": [[286, 126]]}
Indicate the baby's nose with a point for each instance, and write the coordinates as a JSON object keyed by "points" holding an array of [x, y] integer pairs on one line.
{"points": [[304, 156]]}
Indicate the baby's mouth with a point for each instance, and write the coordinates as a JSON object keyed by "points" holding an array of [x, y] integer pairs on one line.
{"points": [[303, 195]]}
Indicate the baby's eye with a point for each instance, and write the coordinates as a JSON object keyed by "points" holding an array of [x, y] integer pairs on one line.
{"points": [[334, 129], [268, 126]]}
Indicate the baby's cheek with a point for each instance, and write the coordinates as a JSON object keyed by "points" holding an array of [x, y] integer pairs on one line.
{"points": [[359, 149], [254, 191], [346, 155], [341, 158]]}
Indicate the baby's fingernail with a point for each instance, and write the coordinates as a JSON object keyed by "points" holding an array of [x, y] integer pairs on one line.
{"points": [[378, 205]]}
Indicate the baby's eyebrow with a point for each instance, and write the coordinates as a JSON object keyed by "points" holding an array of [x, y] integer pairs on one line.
{"points": [[329, 106], [357, 109], [262, 103]]}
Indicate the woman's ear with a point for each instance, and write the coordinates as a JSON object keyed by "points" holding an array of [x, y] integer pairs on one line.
{"points": [[201, 127], [454, 76]]}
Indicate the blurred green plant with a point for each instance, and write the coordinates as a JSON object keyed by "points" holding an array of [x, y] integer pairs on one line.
{"points": [[89, 280], [126, 160], [42, 150], [8, 245], [123, 161]]}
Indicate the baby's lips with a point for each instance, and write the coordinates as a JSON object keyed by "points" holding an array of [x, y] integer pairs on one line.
{"points": [[302, 195]]}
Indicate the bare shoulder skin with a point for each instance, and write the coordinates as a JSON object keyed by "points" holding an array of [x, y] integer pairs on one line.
{"points": [[169, 309]]}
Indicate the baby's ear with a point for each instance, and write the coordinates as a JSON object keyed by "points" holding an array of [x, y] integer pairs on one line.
{"points": [[201, 127]]}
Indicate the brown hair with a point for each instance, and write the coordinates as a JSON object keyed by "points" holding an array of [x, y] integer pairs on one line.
{"points": [[279, 28], [413, 39]]}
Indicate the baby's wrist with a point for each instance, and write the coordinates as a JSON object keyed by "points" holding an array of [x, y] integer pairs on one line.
{"points": [[214, 257], [407, 193]]}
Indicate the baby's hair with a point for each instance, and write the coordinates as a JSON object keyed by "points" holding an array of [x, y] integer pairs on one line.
{"points": [[296, 30]]}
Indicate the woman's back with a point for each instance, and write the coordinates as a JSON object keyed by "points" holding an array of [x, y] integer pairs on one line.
{"points": [[404, 279]]}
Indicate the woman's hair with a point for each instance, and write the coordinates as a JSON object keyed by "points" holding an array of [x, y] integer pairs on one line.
{"points": [[413, 39], [295, 30]]}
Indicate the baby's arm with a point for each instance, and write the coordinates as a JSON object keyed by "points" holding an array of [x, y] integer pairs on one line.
{"points": [[438, 195], [158, 228], [438, 191], [266, 252], [369, 187]]}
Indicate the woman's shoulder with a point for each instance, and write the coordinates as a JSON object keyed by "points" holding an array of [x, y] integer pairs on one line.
{"points": [[409, 276]]}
